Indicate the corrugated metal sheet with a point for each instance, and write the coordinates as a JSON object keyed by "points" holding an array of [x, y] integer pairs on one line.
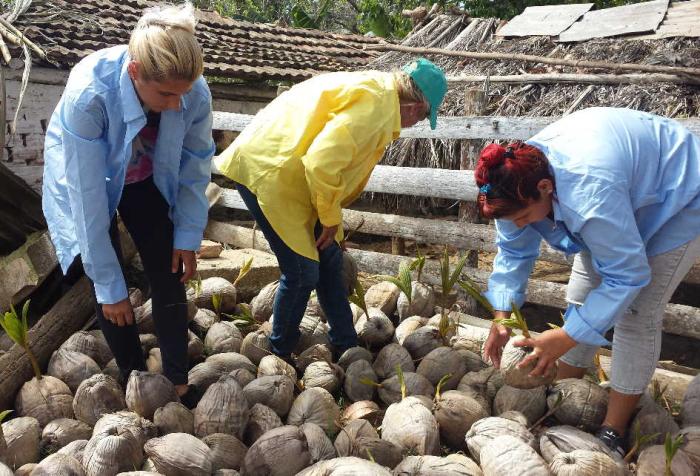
{"points": [[682, 19], [636, 18], [546, 20]]}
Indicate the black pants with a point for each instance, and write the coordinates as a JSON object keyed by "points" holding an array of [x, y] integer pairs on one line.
{"points": [[144, 212]]}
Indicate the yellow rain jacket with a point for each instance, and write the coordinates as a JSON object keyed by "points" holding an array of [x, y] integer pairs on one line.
{"points": [[311, 151]]}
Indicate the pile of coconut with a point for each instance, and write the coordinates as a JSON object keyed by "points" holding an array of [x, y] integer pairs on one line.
{"points": [[415, 398]]}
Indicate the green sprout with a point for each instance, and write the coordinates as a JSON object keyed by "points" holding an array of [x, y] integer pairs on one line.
{"points": [[671, 447], [448, 279], [440, 383], [639, 441], [472, 289], [561, 396], [515, 321], [244, 319], [4, 414], [418, 264], [245, 269], [195, 285], [216, 300], [17, 329], [358, 296], [402, 280], [402, 380]]}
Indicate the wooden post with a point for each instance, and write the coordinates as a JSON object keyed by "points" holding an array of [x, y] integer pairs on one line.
{"points": [[398, 246]]}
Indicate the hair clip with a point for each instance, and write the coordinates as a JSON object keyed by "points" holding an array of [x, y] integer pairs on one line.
{"points": [[485, 188], [509, 154]]}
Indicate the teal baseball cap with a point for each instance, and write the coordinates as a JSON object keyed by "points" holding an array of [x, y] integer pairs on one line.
{"points": [[431, 80]]}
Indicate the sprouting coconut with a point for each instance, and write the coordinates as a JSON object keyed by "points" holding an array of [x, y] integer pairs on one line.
{"points": [[565, 439], [353, 354], [379, 451], [383, 296], [480, 397], [471, 338], [363, 410], [347, 465], [97, 396], [455, 413], [143, 316], [62, 431], [315, 405], [274, 391], [226, 451], [261, 420], [453, 464], [691, 443], [320, 446], [690, 413], [416, 298], [313, 331], [174, 417], [585, 463], [243, 376], [487, 429], [195, 348], [667, 459], [355, 386], [113, 448], [407, 327], [44, 398], [71, 367], [212, 291], [651, 419], [390, 390], [582, 403], [75, 449], [146, 392], [261, 305], [141, 428], [273, 365], [92, 343], [421, 342], [154, 361], [487, 382], [179, 454], [22, 436], [440, 362], [389, 357], [222, 409], [410, 425], [324, 375], [59, 464], [256, 344], [374, 329], [531, 402], [508, 454], [279, 452], [223, 336], [348, 435], [473, 361], [203, 320], [315, 353]]}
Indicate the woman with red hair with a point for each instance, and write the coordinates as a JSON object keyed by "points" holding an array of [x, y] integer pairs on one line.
{"points": [[621, 190]]}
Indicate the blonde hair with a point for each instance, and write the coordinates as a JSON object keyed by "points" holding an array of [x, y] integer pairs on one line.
{"points": [[164, 45], [407, 89]]}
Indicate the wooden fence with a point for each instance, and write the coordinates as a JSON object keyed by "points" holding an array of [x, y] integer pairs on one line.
{"points": [[449, 184]]}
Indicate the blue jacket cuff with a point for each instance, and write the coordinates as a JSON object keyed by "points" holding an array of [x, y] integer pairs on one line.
{"points": [[188, 240], [580, 331], [111, 293], [501, 300]]}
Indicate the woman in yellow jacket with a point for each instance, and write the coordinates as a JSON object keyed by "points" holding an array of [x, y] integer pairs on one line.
{"points": [[302, 159]]}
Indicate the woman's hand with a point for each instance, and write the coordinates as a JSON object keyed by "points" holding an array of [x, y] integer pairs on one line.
{"points": [[120, 313], [327, 237], [189, 263], [498, 337], [546, 350]]}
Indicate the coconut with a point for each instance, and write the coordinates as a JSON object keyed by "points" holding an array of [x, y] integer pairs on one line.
{"points": [[652, 419], [274, 391], [472, 360], [242, 376], [75, 449], [348, 435], [314, 308], [216, 366], [97, 396], [226, 451], [565, 439], [22, 436], [54, 464], [585, 463], [440, 362], [58, 433], [416, 384], [203, 320], [140, 473], [452, 324], [223, 336], [471, 338], [320, 446], [71, 367], [226, 472], [93, 344], [486, 429], [143, 315], [487, 382], [312, 331], [354, 384], [345, 466], [195, 348], [112, 369], [5, 471], [389, 357], [261, 420], [652, 462], [45, 399], [315, 405], [530, 402], [154, 362], [256, 345], [691, 443], [222, 409], [383, 296], [315, 353], [374, 329], [353, 354], [179, 454], [480, 398], [211, 287], [380, 451], [349, 273], [508, 454], [141, 428], [146, 392], [112, 448], [279, 452], [455, 413], [407, 327], [454, 464], [273, 365], [261, 305], [3, 446], [583, 403], [364, 409], [410, 425], [422, 301], [422, 341], [324, 375], [690, 412], [519, 377], [174, 417], [148, 341], [149, 466]]}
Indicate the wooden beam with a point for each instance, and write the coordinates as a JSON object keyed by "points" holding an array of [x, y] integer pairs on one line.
{"points": [[571, 78]]}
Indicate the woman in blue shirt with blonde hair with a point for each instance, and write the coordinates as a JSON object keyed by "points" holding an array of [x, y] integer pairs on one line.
{"points": [[621, 189], [132, 133]]}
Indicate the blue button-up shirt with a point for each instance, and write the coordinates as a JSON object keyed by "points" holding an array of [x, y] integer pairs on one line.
{"points": [[627, 187], [87, 149]]}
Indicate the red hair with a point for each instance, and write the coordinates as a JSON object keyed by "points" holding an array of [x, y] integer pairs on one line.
{"points": [[508, 178]]}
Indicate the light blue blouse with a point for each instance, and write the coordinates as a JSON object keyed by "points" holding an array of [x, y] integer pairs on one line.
{"points": [[87, 149], [627, 187]]}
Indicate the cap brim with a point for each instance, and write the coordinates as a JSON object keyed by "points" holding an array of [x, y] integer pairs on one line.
{"points": [[433, 119]]}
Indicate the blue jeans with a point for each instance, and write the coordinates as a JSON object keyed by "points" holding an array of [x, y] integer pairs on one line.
{"points": [[299, 276]]}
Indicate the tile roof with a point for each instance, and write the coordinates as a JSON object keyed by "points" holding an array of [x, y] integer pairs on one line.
{"points": [[68, 30]]}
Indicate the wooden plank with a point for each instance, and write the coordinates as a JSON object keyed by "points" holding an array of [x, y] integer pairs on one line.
{"points": [[454, 127], [576, 78], [636, 18], [681, 20], [545, 20]]}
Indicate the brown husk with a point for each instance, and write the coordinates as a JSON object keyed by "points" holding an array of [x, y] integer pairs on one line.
{"points": [[355, 385], [146, 392], [174, 417], [22, 435], [487, 429], [389, 357], [179, 454], [71, 367], [262, 419], [508, 454], [440, 362], [411, 426], [455, 413], [531, 402], [274, 391], [45, 400], [58, 433], [97, 396], [280, 452], [226, 451], [222, 409], [584, 403], [315, 405]]}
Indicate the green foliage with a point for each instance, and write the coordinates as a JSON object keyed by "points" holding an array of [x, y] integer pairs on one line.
{"points": [[3, 414], [472, 289], [439, 385], [245, 269], [639, 441], [402, 280], [515, 321], [216, 300], [195, 285], [671, 447], [17, 329], [358, 296], [418, 264], [402, 380], [244, 319]]}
